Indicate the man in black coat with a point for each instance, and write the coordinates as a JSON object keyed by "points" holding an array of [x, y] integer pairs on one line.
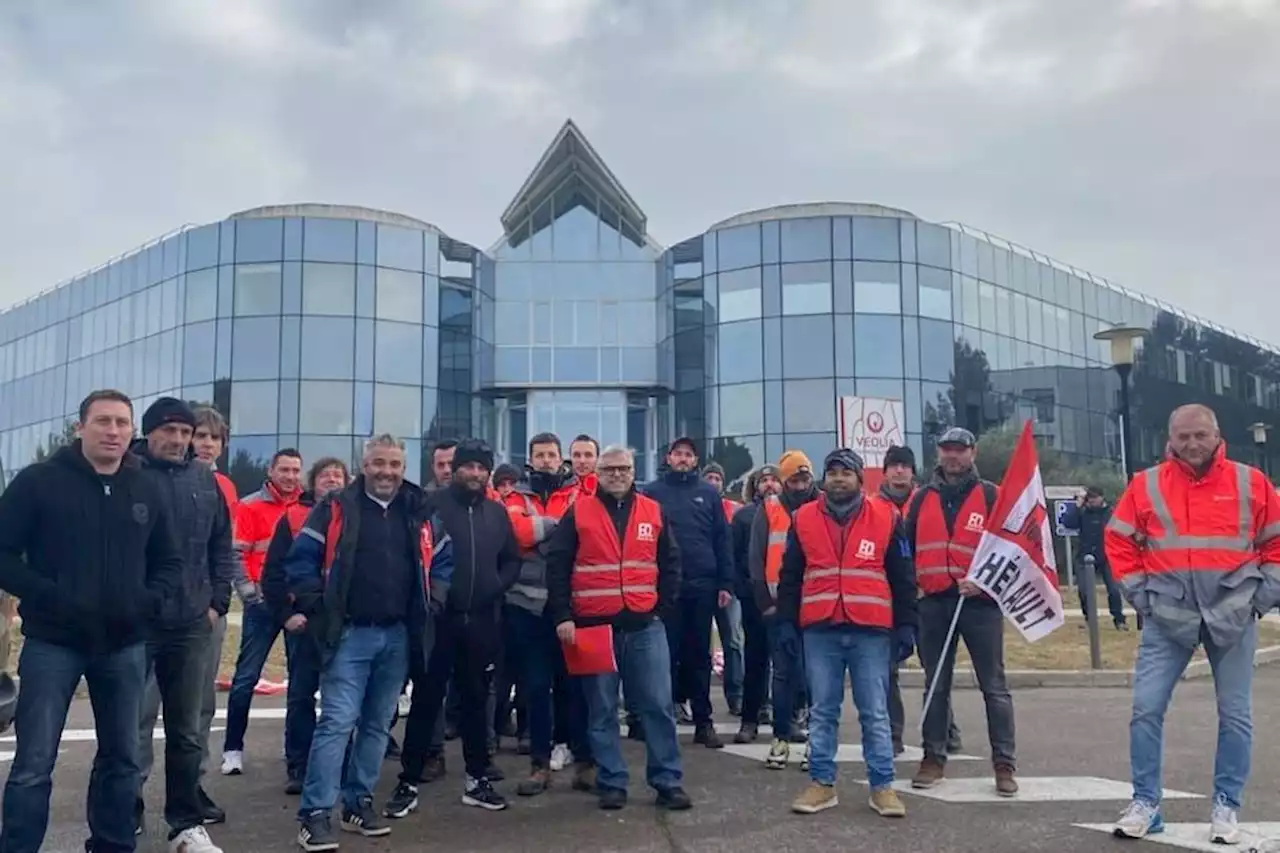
{"points": [[87, 544], [1089, 515], [761, 484]]}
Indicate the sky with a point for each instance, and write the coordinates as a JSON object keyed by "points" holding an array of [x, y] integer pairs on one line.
{"points": [[1136, 139]]}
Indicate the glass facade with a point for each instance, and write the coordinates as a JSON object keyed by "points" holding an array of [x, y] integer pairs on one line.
{"points": [[314, 326]]}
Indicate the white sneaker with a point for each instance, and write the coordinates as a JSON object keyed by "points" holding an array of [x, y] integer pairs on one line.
{"points": [[561, 757], [804, 762], [404, 704], [193, 840], [232, 763], [1139, 820], [1224, 824]]}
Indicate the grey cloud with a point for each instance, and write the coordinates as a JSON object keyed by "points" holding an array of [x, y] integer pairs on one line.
{"points": [[1134, 139]]}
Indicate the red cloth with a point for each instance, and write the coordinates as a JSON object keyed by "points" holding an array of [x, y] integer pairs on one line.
{"points": [[591, 652]]}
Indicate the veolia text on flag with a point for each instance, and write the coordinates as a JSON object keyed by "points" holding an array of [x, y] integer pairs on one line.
{"points": [[1014, 563]]}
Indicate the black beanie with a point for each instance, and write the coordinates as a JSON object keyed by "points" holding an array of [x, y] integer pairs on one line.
{"points": [[473, 450], [167, 410], [713, 468], [900, 456], [506, 473], [844, 458]]}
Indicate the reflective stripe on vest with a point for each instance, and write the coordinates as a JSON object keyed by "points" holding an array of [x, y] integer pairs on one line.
{"points": [[610, 576], [942, 558], [846, 583], [779, 521]]}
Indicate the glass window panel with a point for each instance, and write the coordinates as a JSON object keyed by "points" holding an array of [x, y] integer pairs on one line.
{"points": [[844, 345], [911, 346], [742, 409], [740, 351], [201, 296], [289, 411], [398, 352], [254, 408], [257, 289], [937, 352], [329, 240], [328, 348], [400, 248], [541, 363], [609, 322], [739, 294], [806, 239], [842, 287], [198, 353], [586, 322], [841, 241], [986, 307], [255, 352], [293, 239], [876, 288], [875, 238], [259, 240], [639, 365], [935, 293], [639, 326], [771, 279], [399, 295], [397, 409], [328, 289], [326, 406], [972, 302], [877, 345], [1004, 318], [511, 364], [576, 364], [809, 406], [773, 348], [365, 291], [290, 347], [806, 288], [202, 247], [933, 245], [291, 299], [364, 408], [226, 289], [1049, 317], [512, 323], [738, 247], [808, 347], [364, 350]]}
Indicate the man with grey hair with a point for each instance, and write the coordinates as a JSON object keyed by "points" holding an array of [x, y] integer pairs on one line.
{"points": [[613, 560], [359, 576]]}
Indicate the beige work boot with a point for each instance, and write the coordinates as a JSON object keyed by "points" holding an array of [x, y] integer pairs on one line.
{"points": [[816, 798], [886, 803]]}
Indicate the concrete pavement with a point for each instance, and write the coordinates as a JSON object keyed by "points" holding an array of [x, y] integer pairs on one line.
{"points": [[1073, 748]]}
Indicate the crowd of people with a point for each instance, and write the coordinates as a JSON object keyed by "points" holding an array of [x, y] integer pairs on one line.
{"points": [[464, 595]]}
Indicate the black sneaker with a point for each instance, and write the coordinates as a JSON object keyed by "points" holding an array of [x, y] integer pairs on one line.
{"points": [[612, 799], [450, 731], [393, 748], [209, 811], [1122, 625], [434, 768], [673, 800], [480, 793], [635, 731], [735, 707], [747, 733], [364, 820], [316, 834], [293, 787], [954, 744], [403, 802], [705, 734], [524, 746], [493, 773]]}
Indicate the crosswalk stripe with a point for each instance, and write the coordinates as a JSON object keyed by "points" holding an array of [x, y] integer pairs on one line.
{"points": [[1195, 836], [1034, 789]]}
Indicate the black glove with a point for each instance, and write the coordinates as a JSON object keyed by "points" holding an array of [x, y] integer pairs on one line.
{"points": [[905, 635]]}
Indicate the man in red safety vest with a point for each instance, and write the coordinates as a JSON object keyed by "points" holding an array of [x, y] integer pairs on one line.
{"points": [[945, 522], [612, 561], [848, 584]]}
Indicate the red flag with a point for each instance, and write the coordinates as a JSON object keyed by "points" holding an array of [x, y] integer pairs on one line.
{"points": [[1014, 563]]}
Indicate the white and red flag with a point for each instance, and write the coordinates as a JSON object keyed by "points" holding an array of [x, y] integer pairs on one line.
{"points": [[1014, 563]]}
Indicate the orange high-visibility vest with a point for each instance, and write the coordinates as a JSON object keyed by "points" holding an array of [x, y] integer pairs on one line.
{"points": [[611, 576], [730, 507], [844, 575], [779, 521], [942, 557]]}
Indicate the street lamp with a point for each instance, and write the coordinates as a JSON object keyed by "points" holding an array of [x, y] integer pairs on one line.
{"points": [[1260, 431], [1122, 339]]}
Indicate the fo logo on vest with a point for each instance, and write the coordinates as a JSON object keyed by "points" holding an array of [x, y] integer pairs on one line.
{"points": [[644, 531], [975, 523], [866, 549]]}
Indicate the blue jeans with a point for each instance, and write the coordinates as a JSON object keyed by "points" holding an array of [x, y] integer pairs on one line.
{"points": [[788, 677], [49, 676], [1160, 665], [865, 652], [729, 629], [644, 669], [300, 702], [258, 632], [534, 652], [360, 685]]}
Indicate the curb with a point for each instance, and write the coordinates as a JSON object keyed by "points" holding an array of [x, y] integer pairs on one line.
{"points": [[965, 679]]}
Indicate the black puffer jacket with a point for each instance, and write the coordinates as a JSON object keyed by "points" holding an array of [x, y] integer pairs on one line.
{"points": [[93, 559]]}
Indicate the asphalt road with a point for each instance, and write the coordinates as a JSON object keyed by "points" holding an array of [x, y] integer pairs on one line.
{"points": [[1073, 757]]}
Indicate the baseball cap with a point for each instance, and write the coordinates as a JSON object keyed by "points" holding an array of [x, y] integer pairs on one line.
{"points": [[957, 435]]}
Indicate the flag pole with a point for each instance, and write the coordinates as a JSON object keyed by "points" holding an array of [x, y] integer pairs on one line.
{"points": [[942, 661]]}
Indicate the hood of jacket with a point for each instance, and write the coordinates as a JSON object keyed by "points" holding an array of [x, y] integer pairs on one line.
{"points": [[142, 451], [73, 457]]}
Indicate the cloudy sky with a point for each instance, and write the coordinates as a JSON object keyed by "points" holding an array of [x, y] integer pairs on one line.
{"points": [[1134, 138]]}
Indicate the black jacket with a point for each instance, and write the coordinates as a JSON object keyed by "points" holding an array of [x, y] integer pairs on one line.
{"points": [[202, 524], [898, 569], [275, 586], [562, 551], [486, 558], [1091, 522], [758, 544], [740, 538], [93, 565], [698, 524]]}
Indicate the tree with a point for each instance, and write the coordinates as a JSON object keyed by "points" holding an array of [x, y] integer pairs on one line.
{"points": [[247, 472], [56, 440], [736, 461], [995, 448]]}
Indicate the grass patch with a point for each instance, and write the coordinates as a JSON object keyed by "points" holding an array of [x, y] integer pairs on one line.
{"points": [[273, 670]]}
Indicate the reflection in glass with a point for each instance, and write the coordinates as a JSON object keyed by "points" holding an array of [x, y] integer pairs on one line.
{"points": [[397, 409], [398, 352], [399, 247], [399, 295], [809, 406], [808, 347], [806, 288], [876, 288], [806, 239], [328, 289], [935, 293], [255, 351], [742, 408], [740, 352], [740, 295], [201, 296], [877, 345], [738, 247], [331, 240], [253, 407], [328, 348], [325, 407], [257, 289], [875, 238]]}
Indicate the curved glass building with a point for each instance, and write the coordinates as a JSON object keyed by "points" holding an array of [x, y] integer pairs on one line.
{"points": [[316, 325]]}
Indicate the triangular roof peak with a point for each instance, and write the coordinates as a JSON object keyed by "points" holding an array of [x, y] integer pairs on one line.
{"points": [[571, 157]]}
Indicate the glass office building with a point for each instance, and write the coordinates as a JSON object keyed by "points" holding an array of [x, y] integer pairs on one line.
{"points": [[315, 325]]}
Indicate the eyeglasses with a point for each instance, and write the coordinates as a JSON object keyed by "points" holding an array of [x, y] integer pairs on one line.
{"points": [[614, 469]]}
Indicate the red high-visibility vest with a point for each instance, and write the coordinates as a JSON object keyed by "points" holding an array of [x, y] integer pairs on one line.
{"points": [[942, 558], [730, 507], [779, 522], [845, 583], [610, 576]]}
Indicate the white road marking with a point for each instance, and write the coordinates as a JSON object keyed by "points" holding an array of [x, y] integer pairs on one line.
{"points": [[1034, 789], [1195, 836], [846, 753]]}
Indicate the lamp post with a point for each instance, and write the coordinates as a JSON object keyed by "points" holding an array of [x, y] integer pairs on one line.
{"points": [[1122, 339], [1260, 431]]}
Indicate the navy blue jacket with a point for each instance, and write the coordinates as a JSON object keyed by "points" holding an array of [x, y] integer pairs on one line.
{"points": [[692, 507]]}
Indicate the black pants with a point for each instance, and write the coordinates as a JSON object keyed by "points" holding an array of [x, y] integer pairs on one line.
{"points": [[1115, 603], [755, 661], [179, 658], [689, 636], [465, 649], [897, 713]]}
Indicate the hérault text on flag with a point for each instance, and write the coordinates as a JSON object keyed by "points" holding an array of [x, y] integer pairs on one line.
{"points": [[1014, 563]]}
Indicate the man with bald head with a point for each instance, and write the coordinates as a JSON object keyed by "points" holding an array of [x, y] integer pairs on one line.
{"points": [[1195, 545]]}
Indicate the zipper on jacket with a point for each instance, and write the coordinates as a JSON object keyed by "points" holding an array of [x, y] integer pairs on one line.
{"points": [[471, 593]]}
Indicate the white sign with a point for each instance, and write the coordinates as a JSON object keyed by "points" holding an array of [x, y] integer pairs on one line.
{"points": [[871, 425], [1060, 510]]}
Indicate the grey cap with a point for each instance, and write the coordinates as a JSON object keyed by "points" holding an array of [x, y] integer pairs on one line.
{"points": [[957, 435]]}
